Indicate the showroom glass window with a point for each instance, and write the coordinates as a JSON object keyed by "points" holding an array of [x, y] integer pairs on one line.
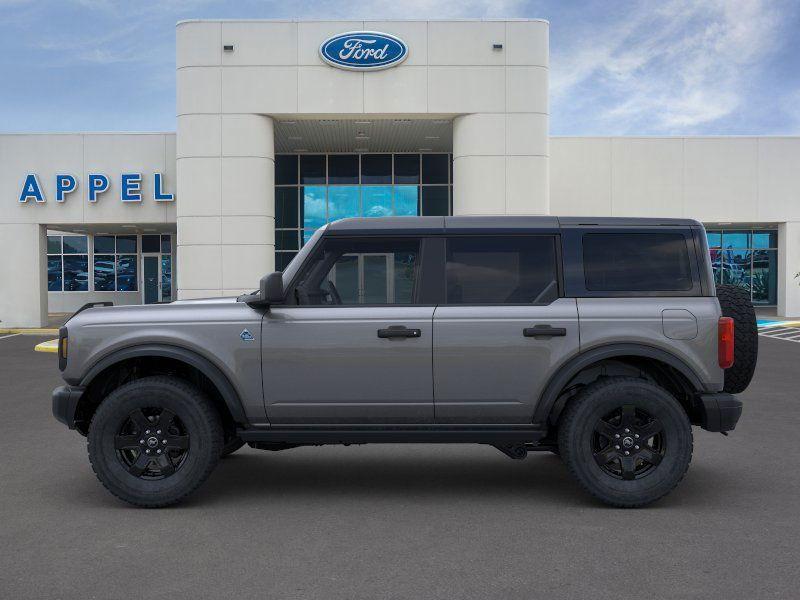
{"points": [[314, 189], [115, 263], [67, 263], [747, 258]]}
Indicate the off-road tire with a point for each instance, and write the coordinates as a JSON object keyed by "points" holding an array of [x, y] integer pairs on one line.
{"points": [[196, 414], [735, 303], [577, 434], [230, 446]]}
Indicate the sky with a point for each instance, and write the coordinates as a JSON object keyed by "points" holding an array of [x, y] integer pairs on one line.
{"points": [[617, 67]]}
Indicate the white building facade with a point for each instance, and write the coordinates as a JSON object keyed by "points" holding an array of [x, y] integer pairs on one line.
{"points": [[285, 125]]}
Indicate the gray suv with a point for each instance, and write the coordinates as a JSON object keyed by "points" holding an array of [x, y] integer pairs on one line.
{"points": [[602, 340]]}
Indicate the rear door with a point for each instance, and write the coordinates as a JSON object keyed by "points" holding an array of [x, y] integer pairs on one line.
{"points": [[356, 348], [502, 329]]}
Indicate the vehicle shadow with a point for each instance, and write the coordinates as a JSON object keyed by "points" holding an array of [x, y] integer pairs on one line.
{"points": [[422, 473]]}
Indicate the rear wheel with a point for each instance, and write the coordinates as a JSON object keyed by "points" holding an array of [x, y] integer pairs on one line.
{"points": [[153, 441], [627, 441]]}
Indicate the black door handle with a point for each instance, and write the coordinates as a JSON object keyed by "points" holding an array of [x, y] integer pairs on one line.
{"points": [[544, 331], [399, 331]]}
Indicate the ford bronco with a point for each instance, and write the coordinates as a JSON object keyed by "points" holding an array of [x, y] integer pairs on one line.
{"points": [[602, 340]]}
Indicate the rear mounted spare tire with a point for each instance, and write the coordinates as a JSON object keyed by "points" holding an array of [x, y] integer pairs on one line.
{"points": [[735, 303]]}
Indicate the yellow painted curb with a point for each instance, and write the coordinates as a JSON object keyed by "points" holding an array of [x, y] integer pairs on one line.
{"points": [[48, 346], [30, 331]]}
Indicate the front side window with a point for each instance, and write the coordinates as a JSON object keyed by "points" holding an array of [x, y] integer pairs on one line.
{"points": [[360, 271], [501, 270], [636, 262]]}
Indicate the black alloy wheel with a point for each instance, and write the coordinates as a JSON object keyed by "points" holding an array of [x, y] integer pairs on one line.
{"points": [[152, 443], [626, 440], [628, 443], [154, 440]]}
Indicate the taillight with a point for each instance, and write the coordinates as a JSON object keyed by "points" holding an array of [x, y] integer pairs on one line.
{"points": [[725, 342]]}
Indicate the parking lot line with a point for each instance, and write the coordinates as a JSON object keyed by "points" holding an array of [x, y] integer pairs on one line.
{"points": [[2, 337]]}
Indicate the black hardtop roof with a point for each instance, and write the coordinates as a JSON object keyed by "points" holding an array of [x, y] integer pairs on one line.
{"points": [[495, 224]]}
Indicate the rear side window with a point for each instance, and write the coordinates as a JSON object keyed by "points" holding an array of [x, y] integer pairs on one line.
{"points": [[640, 262], [501, 270]]}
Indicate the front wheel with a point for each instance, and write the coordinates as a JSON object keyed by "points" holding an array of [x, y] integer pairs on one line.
{"points": [[627, 441], [153, 441]]}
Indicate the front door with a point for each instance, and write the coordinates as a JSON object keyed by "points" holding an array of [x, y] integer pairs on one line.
{"points": [[355, 345], [502, 330]]}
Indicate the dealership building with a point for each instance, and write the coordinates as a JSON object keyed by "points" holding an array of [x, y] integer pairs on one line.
{"points": [[283, 126]]}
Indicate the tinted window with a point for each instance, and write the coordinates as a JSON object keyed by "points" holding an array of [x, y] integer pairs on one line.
{"points": [[54, 244], [285, 169], [312, 168], [343, 168], [126, 274], [286, 207], [76, 273], [434, 201], [126, 243], [286, 240], [641, 262], [434, 168], [104, 272], [104, 243], [75, 244], [360, 271], [151, 243], [54, 274], [406, 168], [501, 270], [376, 168]]}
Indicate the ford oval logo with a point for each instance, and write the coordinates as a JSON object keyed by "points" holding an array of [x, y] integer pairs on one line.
{"points": [[363, 50]]}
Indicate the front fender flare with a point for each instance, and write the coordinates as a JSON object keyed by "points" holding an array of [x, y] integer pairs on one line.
{"points": [[577, 363], [229, 394]]}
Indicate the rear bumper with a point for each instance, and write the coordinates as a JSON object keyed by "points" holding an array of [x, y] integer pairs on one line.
{"points": [[65, 404], [719, 412]]}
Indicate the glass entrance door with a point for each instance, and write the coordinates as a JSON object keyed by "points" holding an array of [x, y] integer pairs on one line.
{"points": [[364, 278], [156, 268], [151, 287]]}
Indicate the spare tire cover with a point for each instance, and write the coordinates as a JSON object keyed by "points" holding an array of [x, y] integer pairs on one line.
{"points": [[735, 303]]}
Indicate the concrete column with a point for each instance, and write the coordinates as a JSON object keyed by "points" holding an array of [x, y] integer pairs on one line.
{"points": [[24, 274], [501, 164], [788, 266], [226, 221]]}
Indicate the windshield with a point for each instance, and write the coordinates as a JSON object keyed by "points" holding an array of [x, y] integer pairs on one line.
{"points": [[291, 269]]}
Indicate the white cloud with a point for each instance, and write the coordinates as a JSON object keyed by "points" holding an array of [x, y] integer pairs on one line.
{"points": [[669, 69], [409, 9]]}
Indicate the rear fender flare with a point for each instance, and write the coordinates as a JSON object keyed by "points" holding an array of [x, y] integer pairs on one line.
{"points": [[548, 399]]}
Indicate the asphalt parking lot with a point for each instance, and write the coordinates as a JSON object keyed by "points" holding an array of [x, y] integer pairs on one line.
{"points": [[450, 522]]}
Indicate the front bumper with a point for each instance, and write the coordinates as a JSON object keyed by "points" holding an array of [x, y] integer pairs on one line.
{"points": [[719, 412], [65, 404]]}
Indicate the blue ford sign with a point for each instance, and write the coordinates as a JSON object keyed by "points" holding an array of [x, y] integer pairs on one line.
{"points": [[363, 50]]}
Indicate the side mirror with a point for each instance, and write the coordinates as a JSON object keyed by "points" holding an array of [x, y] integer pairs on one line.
{"points": [[271, 288]]}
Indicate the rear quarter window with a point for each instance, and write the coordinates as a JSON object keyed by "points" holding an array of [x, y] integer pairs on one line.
{"points": [[636, 262]]}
